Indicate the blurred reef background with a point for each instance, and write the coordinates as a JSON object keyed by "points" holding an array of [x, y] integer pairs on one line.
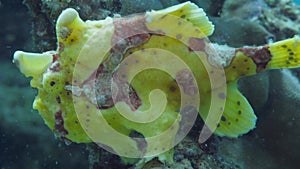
{"points": [[275, 143]]}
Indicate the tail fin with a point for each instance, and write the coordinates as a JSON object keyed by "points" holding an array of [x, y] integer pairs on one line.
{"points": [[285, 54], [248, 61]]}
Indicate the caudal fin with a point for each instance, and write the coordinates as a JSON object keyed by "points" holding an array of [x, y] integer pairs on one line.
{"points": [[285, 54]]}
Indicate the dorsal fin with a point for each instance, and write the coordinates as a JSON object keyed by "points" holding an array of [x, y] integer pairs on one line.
{"points": [[188, 12]]}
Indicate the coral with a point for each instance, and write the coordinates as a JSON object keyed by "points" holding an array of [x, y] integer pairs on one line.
{"points": [[282, 19], [284, 100], [250, 33], [243, 9], [256, 22], [240, 18]]}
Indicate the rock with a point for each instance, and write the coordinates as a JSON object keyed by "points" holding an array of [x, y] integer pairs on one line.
{"points": [[168, 3], [137, 6]]}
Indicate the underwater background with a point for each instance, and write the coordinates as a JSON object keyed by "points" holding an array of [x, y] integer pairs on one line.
{"points": [[27, 143]]}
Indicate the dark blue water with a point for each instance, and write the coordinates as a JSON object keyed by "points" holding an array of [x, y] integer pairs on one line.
{"points": [[297, 2]]}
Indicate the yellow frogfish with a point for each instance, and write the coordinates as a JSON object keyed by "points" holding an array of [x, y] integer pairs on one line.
{"points": [[134, 85]]}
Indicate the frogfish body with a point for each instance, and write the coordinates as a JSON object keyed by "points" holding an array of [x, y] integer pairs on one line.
{"points": [[146, 75]]}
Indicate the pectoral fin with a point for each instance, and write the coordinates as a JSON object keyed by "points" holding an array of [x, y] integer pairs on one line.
{"points": [[238, 117]]}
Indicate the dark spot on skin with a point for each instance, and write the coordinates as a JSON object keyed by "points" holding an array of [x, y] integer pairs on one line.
{"points": [[87, 120], [284, 46], [223, 118], [228, 123], [218, 125], [291, 58], [179, 36], [246, 60], [222, 96], [76, 122], [163, 16], [182, 16], [233, 67], [72, 40], [287, 62], [221, 108], [68, 93], [52, 83], [289, 50], [137, 61], [130, 52], [172, 88], [248, 68], [165, 45], [87, 107], [239, 112], [58, 99], [163, 149], [238, 103], [291, 53], [211, 72], [236, 120]]}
